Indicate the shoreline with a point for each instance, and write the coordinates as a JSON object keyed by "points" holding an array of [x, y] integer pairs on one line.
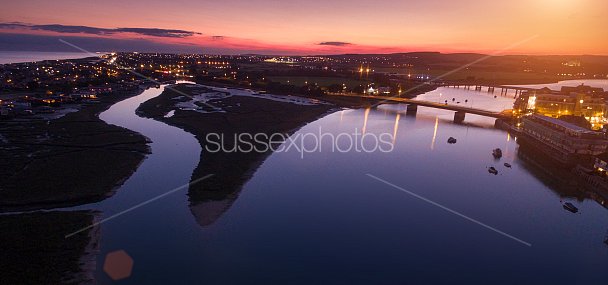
{"points": [[57, 162], [346, 103], [53, 259], [209, 199], [18, 57]]}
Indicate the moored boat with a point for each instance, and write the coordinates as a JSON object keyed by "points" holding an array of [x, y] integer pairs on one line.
{"points": [[568, 206], [493, 170]]}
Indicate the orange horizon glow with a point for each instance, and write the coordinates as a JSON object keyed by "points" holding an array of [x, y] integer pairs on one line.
{"points": [[281, 27]]}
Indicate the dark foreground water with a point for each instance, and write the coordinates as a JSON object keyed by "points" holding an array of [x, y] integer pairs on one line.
{"points": [[322, 219], [319, 218]]}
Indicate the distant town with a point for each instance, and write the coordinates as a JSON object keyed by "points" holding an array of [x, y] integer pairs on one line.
{"points": [[41, 87]]}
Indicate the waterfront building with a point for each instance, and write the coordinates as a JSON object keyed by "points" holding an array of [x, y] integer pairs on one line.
{"points": [[562, 140], [582, 101]]}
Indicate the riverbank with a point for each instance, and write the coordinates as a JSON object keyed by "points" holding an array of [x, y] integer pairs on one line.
{"points": [[240, 114], [72, 160], [411, 91], [35, 250]]}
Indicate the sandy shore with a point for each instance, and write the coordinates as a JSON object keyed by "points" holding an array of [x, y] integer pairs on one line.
{"points": [[75, 159]]}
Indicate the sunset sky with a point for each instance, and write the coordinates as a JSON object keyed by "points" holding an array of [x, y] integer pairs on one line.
{"points": [[308, 27]]}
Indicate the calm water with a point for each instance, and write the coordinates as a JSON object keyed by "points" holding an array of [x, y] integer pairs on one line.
{"points": [[152, 234], [602, 83], [321, 219], [30, 56]]}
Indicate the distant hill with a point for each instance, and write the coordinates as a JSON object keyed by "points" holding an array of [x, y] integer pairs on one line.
{"points": [[551, 64]]}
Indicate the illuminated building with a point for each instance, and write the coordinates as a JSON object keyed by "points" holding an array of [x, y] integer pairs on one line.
{"points": [[562, 140], [576, 101]]}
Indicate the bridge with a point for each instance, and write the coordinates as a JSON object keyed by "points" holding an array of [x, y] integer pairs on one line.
{"points": [[412, 107], [504, 89]]}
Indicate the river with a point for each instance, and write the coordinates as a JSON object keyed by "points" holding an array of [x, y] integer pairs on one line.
{"points": [[151, 234], [600, 83], [321, 218]]}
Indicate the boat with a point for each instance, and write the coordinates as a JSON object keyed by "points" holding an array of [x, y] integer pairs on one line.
{"points": [[507, 165], [493, 170], [497, 153], [451, 140], [568, 206]]}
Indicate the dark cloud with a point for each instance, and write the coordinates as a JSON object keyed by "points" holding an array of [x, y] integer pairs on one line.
{"points": [[219, 38], [154, 32], [52, 43], [337, 44], [69, 29], [27, 42]]}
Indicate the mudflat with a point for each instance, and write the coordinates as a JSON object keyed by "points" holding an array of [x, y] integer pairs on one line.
{"points": [[75, 159], [241, 114]]}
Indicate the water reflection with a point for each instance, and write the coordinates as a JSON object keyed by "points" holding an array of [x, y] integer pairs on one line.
{"points": [[559, 178], [298, 217], [148, 232], [474, 99], [396, 127], [295, 212], [435, 132], [207, 212], [365, 117]]}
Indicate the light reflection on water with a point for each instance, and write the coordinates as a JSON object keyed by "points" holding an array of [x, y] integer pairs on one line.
{"points": [[150, 234], [479, 100], [321, 219]]}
